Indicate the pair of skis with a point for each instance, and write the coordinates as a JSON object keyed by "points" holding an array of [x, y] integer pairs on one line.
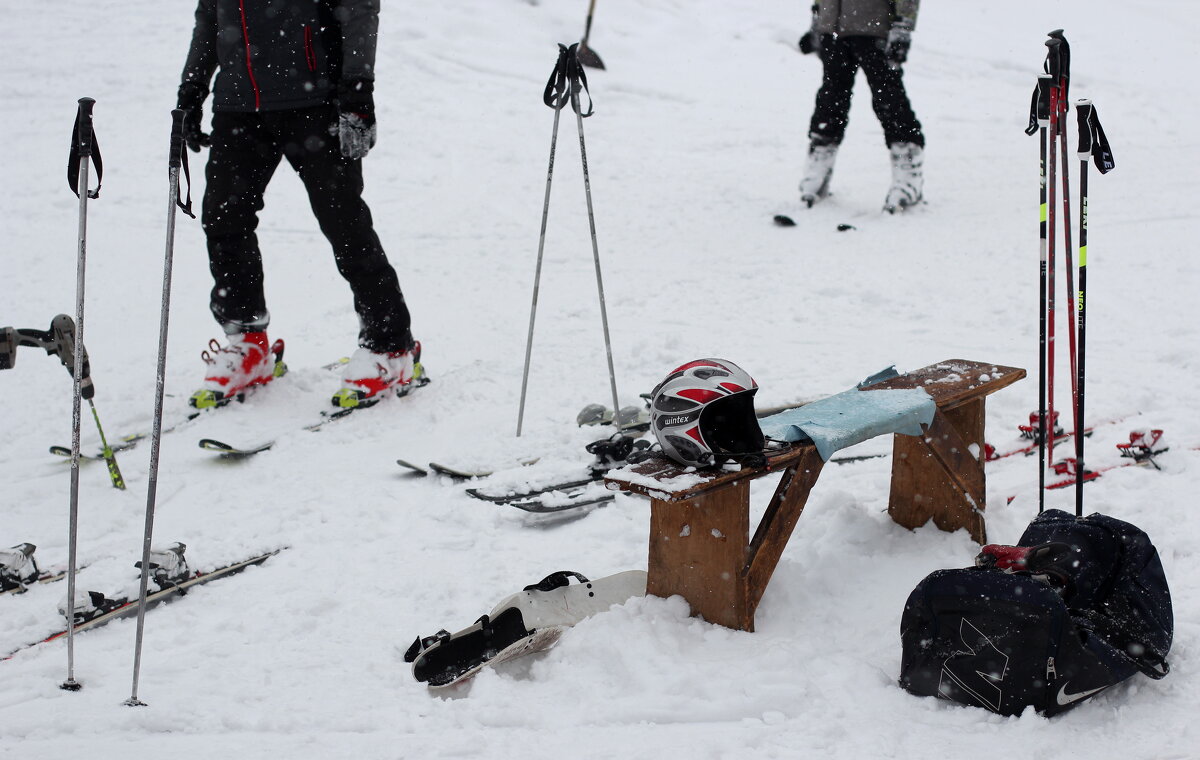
{"points": [[93, 609], [1142, 450], [232, 451]]}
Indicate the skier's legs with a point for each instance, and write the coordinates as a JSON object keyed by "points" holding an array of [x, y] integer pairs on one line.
{"points": [[241, 162], [335, 185], [832, 110], [888, 96]]}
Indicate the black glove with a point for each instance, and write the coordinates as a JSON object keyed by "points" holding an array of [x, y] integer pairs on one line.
{"points": [[810, 42], [898, 40], [356, 117], [191, 102]]}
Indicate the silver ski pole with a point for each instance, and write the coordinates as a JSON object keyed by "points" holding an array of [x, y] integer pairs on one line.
{"points": [[537, 275], [587, 189], [556, 95], [177, 157], [83, 144]]}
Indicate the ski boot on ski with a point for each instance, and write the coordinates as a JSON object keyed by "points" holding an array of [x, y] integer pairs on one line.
{"points": [[18, 568], [247, 361], [168, 566], [908, 179], [817, 172], [371, 375]]}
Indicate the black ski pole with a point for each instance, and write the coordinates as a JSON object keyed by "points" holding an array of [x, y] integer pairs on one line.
{"points": [[1062, 51], [84, 151], [176, 158], [1039, 121], [587, 56], [1092, 144]]}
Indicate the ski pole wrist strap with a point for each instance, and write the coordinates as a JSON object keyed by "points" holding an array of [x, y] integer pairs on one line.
{"points": [[84, 147], [567, 82], [179, 158], [1092, 140]]}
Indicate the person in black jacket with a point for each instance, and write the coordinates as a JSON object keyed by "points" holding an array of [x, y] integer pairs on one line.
{"points": [[295, 81]]}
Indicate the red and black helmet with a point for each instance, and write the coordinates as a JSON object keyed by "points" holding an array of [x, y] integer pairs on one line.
{"points": [[703, 413]]}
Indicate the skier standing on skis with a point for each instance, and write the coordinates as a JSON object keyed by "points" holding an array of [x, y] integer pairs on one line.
{"points": [[874, 35], [296, 81]]}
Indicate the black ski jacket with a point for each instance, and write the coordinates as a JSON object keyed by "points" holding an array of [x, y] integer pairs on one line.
{"points": [[281, 54]]}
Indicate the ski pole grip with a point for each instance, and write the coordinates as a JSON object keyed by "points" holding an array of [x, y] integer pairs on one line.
{"points": [[83, 132], [1083, 112], [1054, 58], [176, 137]]}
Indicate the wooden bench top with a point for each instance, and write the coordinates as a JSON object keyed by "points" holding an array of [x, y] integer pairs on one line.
{"points": [[950, 383]]}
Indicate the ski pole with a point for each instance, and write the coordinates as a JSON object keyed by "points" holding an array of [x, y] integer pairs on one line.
{"points": [[555, 96], [1053, 68], [177, 158], [1062, 51], [64, 338], [1039, 121], [579, 83], [587, 56], [84, 150], [1092, 144]]}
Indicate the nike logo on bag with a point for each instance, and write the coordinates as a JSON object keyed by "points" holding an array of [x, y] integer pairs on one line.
{"points": [[1065, 699]]}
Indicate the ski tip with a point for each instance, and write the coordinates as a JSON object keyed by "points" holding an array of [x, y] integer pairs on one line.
{"points": [[844, 227], [782, 220]]}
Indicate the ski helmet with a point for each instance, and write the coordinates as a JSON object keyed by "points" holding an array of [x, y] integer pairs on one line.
{"points": [[703, 413]]}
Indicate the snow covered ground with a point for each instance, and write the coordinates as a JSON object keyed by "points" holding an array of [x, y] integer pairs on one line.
{"points": [[698, 138]]}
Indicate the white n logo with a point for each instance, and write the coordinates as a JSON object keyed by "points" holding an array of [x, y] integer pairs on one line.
{"points": [[979, 671]]}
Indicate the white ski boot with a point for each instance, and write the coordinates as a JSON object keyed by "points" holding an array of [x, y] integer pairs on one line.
{"points": [[817, 172], [908, 180], [168, 566], [17, 567], [526, 622]]}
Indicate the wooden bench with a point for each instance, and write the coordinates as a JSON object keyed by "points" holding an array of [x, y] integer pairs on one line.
{"points": [[700, 545]]}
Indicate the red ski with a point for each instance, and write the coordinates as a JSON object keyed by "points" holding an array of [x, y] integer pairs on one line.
{"points": [[1141, 450], [1031, 433]]}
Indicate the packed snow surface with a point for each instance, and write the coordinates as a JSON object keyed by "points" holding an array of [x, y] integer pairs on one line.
{"points": [[699, 137]]}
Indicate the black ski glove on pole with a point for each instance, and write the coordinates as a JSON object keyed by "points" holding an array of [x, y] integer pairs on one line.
{"points": [[191, 102], [356, 117]]}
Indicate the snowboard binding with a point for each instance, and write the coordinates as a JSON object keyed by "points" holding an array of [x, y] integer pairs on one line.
{"points": [[530, 621]]}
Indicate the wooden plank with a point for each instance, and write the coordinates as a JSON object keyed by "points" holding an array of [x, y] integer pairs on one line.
{"points": [[777, 524], [697, 550], [942, 480], [956, 381]]}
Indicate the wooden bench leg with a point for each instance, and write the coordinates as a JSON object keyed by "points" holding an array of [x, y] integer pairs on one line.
{"points": [[777, 524], [698, 550], [939, 475]]}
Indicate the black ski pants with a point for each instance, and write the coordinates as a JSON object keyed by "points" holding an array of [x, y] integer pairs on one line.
{"points": [[841, 58], [246, 149]]}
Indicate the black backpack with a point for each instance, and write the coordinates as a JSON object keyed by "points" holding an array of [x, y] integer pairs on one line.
{"points": [[1080, 605]]}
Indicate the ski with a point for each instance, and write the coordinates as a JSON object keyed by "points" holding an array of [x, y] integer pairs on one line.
{"points": [[230, 451], [508, 498], [1031, 433], [102, 610], [15, 564], [568, 503], [415, 468], [608, 453], [124, 443], [1141, 451]]}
